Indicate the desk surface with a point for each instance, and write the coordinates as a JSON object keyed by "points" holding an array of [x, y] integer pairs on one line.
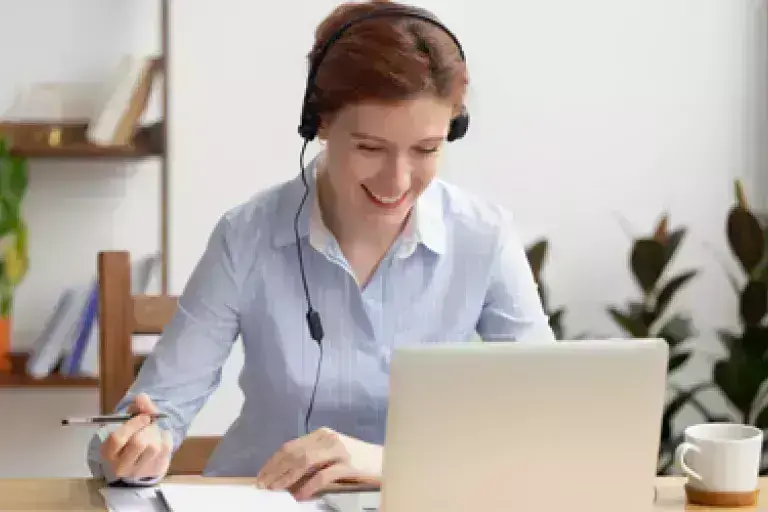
{"points": [[82, 495]]}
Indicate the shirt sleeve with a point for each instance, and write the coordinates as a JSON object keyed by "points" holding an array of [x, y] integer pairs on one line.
{"points": [[512, 309], [185, 366]]}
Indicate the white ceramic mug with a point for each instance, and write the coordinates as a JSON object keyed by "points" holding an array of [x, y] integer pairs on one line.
{"points": [[721, 457]]}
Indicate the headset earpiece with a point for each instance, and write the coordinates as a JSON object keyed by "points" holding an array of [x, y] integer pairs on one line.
{"points": [[459, 126], [310, 123]]}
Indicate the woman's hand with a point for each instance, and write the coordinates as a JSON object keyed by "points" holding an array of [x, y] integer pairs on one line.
{"points": [[138, 448], [312, 463]]}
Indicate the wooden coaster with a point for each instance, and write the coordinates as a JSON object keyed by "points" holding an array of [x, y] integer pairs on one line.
{"points": [[721, 499]]}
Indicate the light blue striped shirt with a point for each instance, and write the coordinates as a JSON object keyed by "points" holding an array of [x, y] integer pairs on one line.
{"points": [[458, 271]]}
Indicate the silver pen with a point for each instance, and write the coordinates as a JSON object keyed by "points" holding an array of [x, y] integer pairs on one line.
{"points": [[110, 418]]}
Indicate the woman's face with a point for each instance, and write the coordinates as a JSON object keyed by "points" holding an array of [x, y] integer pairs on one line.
{"points": [[381, 157]]}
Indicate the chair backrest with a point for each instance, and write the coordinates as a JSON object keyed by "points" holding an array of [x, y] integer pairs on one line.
{"points": [[121, 316]]}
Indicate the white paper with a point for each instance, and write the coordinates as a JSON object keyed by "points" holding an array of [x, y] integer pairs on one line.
{"points": [[132, 499], [232, 498], [205, 497]]}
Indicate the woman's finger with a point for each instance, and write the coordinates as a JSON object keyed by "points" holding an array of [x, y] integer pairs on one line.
{"points": [[148, 463], [287, 457], [322, 479], [279, 463], [139, 443], [308, 463]]}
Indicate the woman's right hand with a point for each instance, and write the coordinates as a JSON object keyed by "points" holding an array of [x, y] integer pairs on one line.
{"points": [[138, 448]]}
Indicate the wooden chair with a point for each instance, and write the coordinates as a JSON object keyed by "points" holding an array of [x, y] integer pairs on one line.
{"points": [[122, 315]]}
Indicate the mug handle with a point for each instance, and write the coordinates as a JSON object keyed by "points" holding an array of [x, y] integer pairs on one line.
{"points": [[680, 453]]}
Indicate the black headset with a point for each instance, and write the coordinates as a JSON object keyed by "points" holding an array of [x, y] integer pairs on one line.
{"points": [[310, 123], [310, 119], [308, 128]]}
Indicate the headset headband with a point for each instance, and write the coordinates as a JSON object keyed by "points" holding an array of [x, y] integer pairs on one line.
{"points": [[309, 121]]}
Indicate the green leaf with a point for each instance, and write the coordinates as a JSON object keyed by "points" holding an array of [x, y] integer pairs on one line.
{"points": [[727, 379], [667, 293], [647, 261], [633, 326], [754, 342], [729, 339], [676, 330], [746, 238], [17, 179], [740, 378], [670, 248], [536, 254], [761, 421], [555, 323], [677, 360], [670, 411], [640, 313], [753, 303], [761, 273]]}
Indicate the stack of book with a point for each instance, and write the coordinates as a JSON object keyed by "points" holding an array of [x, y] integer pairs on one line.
{"points": [[69, 341]]}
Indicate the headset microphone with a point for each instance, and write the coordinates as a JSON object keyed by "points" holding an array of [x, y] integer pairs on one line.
{"points": [[308, 128]]}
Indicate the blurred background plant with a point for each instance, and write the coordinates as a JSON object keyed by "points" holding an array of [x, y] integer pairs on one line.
{"points": [[649, 317], [14, 258], [537, 255], [741, 375]]}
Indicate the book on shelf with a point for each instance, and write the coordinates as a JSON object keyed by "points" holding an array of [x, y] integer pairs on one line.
{"points": [[133, 87], [70, 339]]}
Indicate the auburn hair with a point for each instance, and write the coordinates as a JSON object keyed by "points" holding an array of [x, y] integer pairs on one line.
{"points": [[385, 59]]}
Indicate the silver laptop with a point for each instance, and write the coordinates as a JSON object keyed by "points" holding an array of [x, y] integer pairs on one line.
{"points": [[524, 426]]}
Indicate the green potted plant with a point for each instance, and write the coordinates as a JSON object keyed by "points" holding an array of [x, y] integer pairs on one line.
{"points": [[649, 317], [14, 259], [741, 375]]}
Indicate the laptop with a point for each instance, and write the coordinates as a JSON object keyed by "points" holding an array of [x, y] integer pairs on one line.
{"points": [[523, 426]]}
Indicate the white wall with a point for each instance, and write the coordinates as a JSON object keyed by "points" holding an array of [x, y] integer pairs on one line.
{"points": [[74, 208], [586, 111]]}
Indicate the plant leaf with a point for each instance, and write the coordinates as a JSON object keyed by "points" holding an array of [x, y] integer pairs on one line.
{"points": [[536, 254], [647, 261], [761, 421], [17, 179], [661, 234], [753, 303], [761, 273], [741, 197], [677, 360], [727, 379], [633, 326], [555, 323], [677, 403], [745, 237], [754, 343], [673, 242], [729, 339], [676, 330], [741, 375], [668, 292]]}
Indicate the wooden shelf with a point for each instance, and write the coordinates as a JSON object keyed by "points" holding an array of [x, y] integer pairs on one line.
{"points": [[48, 140], [17, 378], [82, 151]]}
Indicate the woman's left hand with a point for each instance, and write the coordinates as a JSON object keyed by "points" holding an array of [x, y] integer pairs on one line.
{"points": [[312, 463]]}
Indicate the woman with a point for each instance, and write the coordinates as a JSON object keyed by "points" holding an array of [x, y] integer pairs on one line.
{"points": [[389, 254]]}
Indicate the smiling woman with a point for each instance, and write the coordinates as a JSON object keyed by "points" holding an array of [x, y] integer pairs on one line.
{"points": [[390, 254], [385, 94]]}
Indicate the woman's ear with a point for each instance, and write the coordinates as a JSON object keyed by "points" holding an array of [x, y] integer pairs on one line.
{"points": [[325, 126]]}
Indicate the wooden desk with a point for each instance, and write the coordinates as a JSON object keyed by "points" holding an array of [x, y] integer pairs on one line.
{"points": [[82, 495]]}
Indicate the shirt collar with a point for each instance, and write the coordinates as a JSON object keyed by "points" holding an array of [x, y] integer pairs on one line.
{"points": [[426, 224]]}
